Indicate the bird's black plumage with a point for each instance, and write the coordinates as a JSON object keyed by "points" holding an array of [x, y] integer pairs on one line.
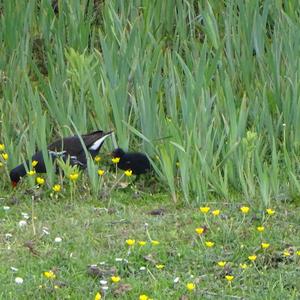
{"points": [[69, 148], [137, 162]]}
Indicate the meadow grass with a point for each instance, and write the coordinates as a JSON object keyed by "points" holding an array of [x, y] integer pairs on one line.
{"points": [[93, 248], [209, 90]]}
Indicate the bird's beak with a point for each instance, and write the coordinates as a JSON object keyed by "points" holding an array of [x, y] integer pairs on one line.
{"points": [[109, 132], [14, 184]]}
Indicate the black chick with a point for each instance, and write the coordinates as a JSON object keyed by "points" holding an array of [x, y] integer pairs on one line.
{"points": [[137, 162]]}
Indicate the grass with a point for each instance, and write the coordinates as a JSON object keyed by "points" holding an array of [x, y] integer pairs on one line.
{"points": [[209, 90], [95, 233]]}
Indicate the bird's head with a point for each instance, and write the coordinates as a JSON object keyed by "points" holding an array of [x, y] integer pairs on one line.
{"points": [[14, 177], [118, 152]]}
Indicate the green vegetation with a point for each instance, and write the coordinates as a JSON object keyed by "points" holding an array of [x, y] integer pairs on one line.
{"points": [[95, 232], [209, 89]]}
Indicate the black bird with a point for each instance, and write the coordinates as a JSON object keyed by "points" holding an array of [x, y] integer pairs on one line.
{"points": [[137, 162], [69, 148]]}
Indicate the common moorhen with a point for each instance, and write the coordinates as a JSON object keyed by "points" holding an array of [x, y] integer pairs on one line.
{"points": [[137, 162], [69, 148]]}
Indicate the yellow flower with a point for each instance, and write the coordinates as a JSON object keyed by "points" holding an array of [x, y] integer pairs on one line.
{"points": [[142, 243], [130, 242], [265, 245], [97, 158], [4, 156], [204, 209], [98, 296], [34, 163], [40, 180], [221, 263], [49, 275], [260, 228], [56, 188], [2, 147], [128, 173], [216, 212], [115, 160], [31, 172], [252, 257], [190, 286], [199, 230], [143, 297], [286, 253], [155, 243], [73, 176], [244, 266], [209, 244], [160, 267], [298, 252], [229, 277], [101, 172], [115, 279], [244, 209], [270, 211]]}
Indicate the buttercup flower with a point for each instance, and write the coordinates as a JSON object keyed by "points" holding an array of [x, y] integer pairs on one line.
{"points": [[216, 212], [252, 257], [155, 243], [128, 173], [115, 279], [130, 242], [2, 147], [34, 163], [160, 266], [243, 266], [49, 274], [265, 245], [98, 296], [245, 209], [143, 297], [100, 172], [31, 173], [270, 211], [4, 156], [97, 158], [204, 209], [56, 188], [221, 263], [229, 277], [190, 286], [260, 228], [74, 176], [298, 252], [209, 244], [286, 253], [40, 180], [199, 230], [115, 160], [142, 243]]}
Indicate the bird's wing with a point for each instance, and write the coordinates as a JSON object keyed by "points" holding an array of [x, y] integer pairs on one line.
{"points": [[94, 140]]}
